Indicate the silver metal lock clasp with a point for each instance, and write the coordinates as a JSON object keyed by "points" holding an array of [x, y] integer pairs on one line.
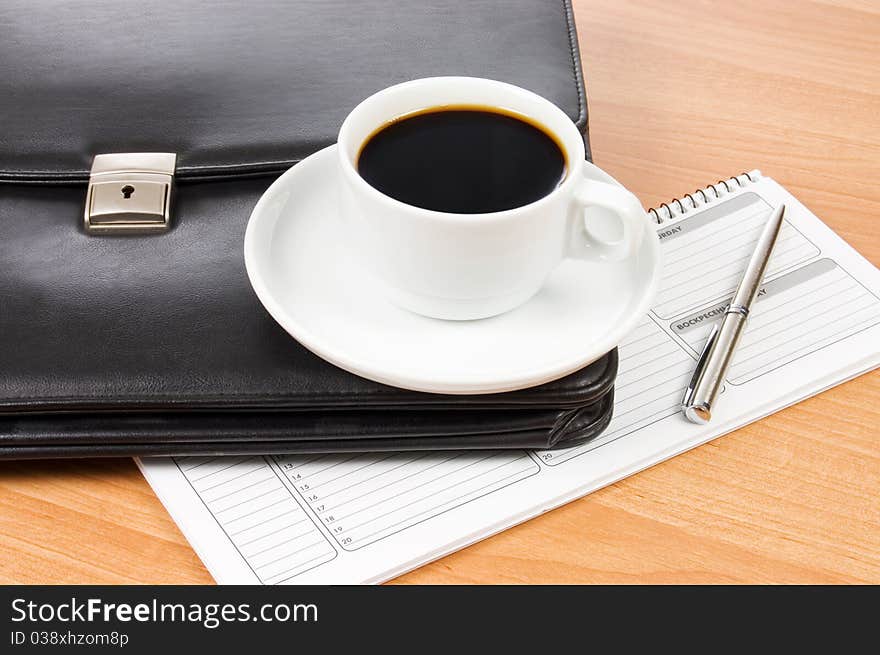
{"points": [[130, 191]]}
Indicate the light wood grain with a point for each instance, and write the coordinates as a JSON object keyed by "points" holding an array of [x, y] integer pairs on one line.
{"points": [[681, 94]]}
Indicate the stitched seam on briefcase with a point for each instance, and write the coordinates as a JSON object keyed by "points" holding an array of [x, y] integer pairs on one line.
{"points": [[581, 121], [9, 405]]}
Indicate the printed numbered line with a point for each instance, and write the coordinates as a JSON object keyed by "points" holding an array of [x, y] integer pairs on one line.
{"points": [[796, 314], [260, 516], [705, 258], [654, 372], [367, 497]]}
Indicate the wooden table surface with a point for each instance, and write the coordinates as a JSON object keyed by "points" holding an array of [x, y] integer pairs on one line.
{"points": [[681, 94]]}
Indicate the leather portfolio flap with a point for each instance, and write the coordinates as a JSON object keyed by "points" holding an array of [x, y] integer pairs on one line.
{"points": [[155, 343], [244, 87]]}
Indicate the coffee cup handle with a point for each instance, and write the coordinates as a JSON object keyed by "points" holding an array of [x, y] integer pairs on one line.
{"points": [[587, 242]]}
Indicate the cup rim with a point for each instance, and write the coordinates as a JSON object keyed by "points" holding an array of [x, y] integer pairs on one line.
{"points": [[575, 159]]}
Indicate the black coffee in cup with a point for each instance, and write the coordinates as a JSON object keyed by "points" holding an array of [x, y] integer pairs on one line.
{"points": [[464, 160]]}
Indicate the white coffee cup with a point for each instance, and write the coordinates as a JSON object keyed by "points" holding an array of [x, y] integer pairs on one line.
{"points": [[470, 266]]}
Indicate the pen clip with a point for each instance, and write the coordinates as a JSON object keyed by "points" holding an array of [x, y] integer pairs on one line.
{"points": [[701, 365]]}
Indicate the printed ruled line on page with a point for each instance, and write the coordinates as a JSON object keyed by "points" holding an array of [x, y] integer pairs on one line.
{"points": [[705, 255], [259, 514], [364, 498], [796, 313]]}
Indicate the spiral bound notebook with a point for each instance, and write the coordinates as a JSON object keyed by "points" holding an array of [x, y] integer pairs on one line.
{"points": [[369, 517]]}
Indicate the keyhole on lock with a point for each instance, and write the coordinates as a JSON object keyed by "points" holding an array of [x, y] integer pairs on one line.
{"points": [[127, 190]]}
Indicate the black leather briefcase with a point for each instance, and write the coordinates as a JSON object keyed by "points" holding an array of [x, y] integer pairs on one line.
{"points": [[150, 340]]}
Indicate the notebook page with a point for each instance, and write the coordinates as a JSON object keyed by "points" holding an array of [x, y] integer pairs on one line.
{"points": [[368, 517]]}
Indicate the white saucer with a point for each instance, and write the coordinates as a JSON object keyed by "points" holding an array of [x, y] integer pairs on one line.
{"points": [[299, 265]]}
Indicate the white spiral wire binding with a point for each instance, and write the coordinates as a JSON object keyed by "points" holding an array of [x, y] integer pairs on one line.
{"points": [[678, 207]]}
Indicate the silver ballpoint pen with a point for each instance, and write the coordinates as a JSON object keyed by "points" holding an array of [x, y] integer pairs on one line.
{"points": [[705, 385]]}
